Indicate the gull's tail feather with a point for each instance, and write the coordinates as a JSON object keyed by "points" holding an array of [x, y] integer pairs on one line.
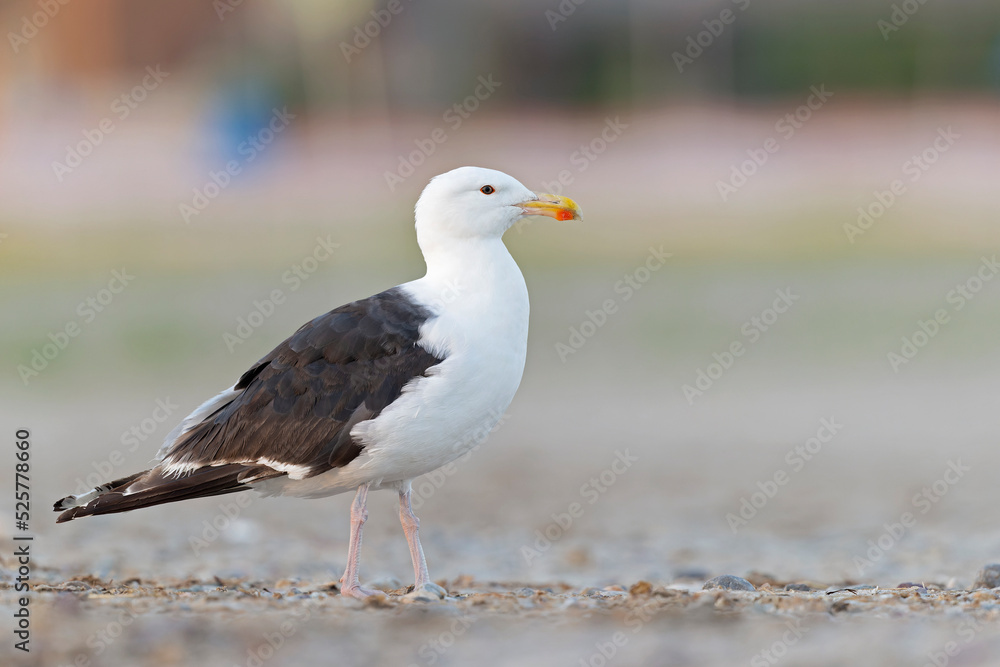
{"points": [[156, 486]]}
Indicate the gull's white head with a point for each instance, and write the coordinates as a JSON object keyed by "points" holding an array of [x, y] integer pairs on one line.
{"points": [[472, 202]]}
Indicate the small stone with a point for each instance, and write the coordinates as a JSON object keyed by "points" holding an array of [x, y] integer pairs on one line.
{"points": [[853, 590], [641, 588], [728, 582], [76, 585], [758, 579], [376, 599], [385, 584], [579, 557], [429, 592], [805, 588], [988, 577], [909, 584]]}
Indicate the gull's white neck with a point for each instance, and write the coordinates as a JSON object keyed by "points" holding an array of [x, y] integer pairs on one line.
{"points": [[477, 291]]}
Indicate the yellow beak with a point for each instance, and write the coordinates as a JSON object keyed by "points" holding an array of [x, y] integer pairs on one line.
{"points": [[554, 206]]}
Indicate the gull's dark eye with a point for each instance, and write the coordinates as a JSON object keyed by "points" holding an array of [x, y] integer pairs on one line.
{"points": [[487, 189]]}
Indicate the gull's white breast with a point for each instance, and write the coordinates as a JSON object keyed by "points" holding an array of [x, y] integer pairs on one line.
{"points": [[480, 326]]}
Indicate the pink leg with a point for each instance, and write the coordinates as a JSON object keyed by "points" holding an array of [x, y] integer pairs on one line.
{"points": [[411, 526], [349, 582]]}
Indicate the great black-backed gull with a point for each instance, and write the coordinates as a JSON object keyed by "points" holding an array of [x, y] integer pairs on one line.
{"points": [[375, 392]]}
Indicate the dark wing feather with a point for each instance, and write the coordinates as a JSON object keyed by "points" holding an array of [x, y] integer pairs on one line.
{"points": [[304, 397], [154, 487]]}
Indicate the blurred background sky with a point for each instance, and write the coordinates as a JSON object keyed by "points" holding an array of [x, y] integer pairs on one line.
{"points": [[846, 151], [697, 84]]}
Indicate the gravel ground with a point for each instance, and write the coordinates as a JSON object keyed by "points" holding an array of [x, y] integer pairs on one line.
{"points": [[256, 622]]}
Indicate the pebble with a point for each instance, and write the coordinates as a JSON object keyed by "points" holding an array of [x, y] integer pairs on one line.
{"points": [[641, 588], [602, 593], [798, 587], [429, 592], [199, 588], [77, 586], [760, 579], [910, 586], [385, 584], [853, 590], [728, 582], [988, 577]]}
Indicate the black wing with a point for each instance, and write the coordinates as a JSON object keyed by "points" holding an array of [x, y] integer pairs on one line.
{"points": [[299, 403]]}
